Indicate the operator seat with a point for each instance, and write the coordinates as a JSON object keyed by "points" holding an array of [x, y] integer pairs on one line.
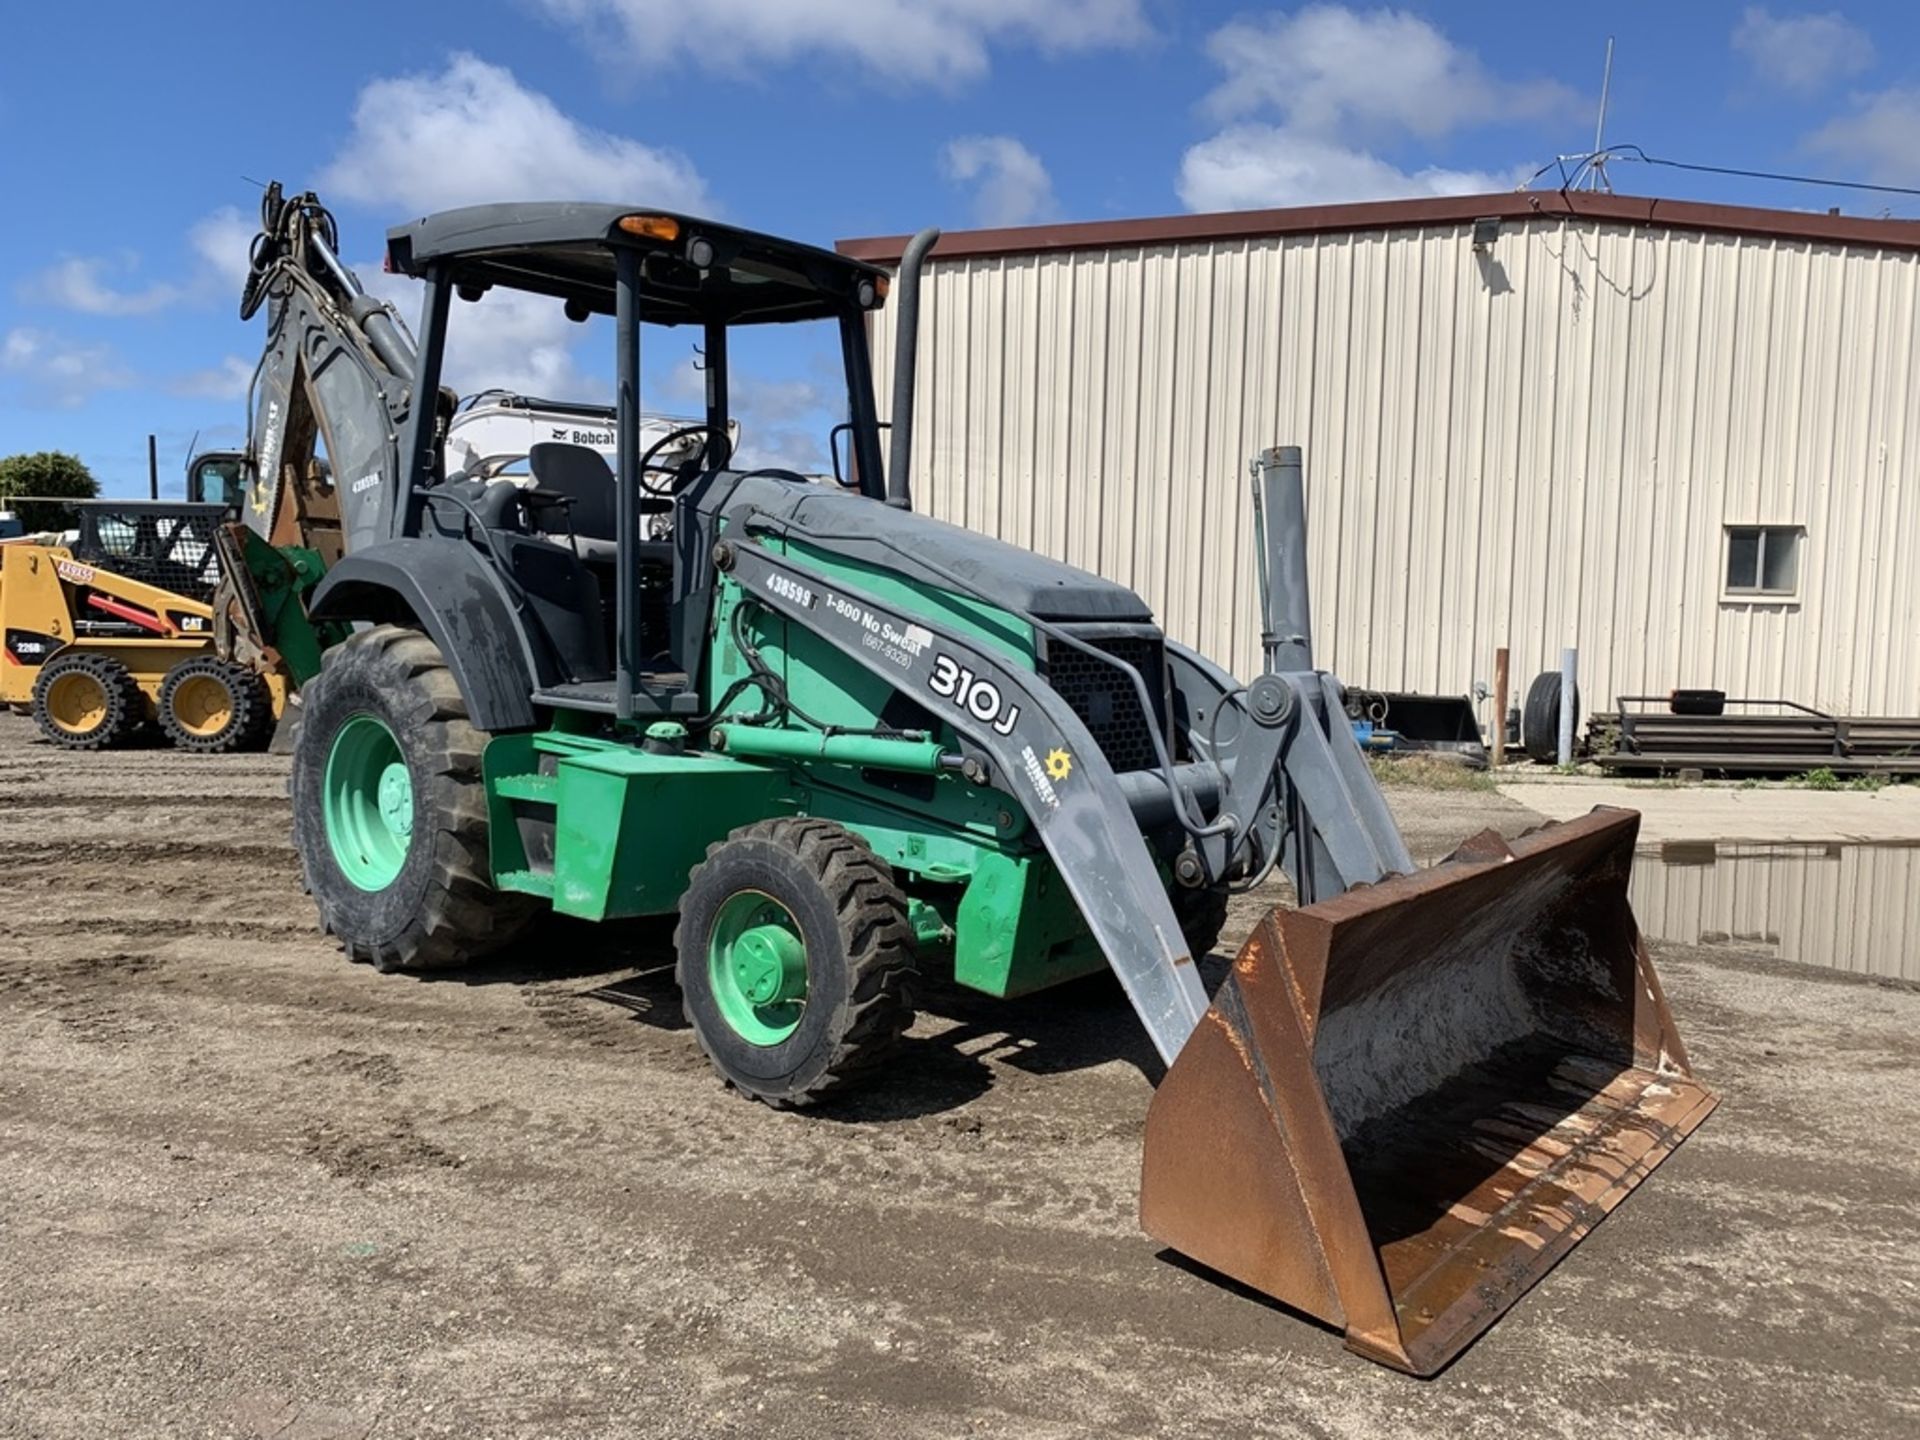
{"points": [[584, 477]]}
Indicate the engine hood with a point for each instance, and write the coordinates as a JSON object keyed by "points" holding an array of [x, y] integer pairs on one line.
{"points": [[870, 532]]}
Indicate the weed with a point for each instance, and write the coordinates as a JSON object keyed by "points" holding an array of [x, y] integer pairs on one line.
{"points": [[1421, 772]]}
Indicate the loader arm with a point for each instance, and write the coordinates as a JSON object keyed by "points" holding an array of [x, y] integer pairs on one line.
{"points": [[1018, 720]]}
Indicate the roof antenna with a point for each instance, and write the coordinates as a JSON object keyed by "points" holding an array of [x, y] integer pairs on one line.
{"points": [[1597, 167]]}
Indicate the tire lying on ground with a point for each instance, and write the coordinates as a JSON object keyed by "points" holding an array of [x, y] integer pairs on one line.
{"points": [[214, 707], [87, 701], [1540, 718], [389, 811], [794, 959]]}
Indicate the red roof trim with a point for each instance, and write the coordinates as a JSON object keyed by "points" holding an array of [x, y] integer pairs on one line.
{"points": [[1404, 214]]}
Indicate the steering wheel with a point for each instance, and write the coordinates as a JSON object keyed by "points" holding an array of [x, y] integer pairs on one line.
{"points": [[682, 471]]}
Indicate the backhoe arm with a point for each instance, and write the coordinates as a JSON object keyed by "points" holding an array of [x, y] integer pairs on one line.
{"points": [[336, 371]]}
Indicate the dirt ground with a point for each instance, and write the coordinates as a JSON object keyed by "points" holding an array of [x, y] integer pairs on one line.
{"points": [[248, 1189]]}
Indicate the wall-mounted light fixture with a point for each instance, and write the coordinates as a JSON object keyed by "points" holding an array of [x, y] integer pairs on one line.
{"points": [[1485, 232]]}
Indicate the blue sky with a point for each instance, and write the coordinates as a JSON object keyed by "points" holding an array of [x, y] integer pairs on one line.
{"points": [[129, 133]]}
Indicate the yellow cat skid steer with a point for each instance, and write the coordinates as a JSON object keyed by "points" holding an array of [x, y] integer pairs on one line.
{"points": [[108, 630]]}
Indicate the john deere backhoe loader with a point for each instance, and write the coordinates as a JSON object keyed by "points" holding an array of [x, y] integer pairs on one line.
{"points": [[855, 741]]}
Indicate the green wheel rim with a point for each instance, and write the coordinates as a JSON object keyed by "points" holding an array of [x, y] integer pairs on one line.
{"points": [[757, 967], [367, 800]]}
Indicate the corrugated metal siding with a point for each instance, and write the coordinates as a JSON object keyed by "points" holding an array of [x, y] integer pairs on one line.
{"points": [[1534, 447], [1848, 907]]}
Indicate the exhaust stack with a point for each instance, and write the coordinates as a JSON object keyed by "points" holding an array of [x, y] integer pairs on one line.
{"points": [[906, 347]]}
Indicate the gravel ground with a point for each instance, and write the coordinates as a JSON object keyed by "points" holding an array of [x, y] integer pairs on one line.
{"points": [[248, 1189]]}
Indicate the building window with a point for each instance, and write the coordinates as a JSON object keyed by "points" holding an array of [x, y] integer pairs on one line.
{"points": [[1763, 560]]}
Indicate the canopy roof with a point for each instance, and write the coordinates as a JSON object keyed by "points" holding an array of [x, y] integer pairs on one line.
{"points": [[566, 249]]}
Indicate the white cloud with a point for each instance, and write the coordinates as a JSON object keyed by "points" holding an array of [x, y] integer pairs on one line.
{"points": [[472, 134], [1802, 53], [1329, 70], [1250, 167], [505, 340], [784, 423], [1881, 138], [60, 371], [78, 283], [1011, 185], [1313, 101], [220, 243], [943, 42], [226, 381], [223, 241]]}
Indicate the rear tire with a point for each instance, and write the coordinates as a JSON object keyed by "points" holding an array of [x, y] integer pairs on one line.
{"points": [[87, 701], [213, 707], [794, 960], [1540, 718], [1202, 913], [389, 809]]}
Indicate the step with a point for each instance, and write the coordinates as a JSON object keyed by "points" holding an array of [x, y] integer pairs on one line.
{"points": [[544, 789], [525, 882]]}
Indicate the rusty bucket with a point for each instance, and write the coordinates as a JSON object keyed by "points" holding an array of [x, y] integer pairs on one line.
{"points": [[1406, 1103]]}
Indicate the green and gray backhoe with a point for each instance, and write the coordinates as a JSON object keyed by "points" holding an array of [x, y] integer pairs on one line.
{"points": [[845, 742]]}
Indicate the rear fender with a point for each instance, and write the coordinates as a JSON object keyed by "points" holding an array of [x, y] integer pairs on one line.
{"points": [[452, 594]]}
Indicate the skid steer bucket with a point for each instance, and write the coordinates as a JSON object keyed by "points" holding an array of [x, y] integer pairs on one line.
{"points": [[1407, 1102]]}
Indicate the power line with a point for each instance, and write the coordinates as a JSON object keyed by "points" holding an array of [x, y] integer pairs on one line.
{"points": [[1634, 152]]}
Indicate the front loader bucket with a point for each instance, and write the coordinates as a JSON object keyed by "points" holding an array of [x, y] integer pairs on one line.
{"points": [[1406, 1103]]}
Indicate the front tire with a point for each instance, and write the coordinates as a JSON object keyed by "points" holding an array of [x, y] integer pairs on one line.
{"points": [[1202, 913], [794, 960], [87, 701], [389, 809]]}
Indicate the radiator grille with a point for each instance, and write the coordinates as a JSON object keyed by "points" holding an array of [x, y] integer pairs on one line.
{"points": [[1103, 696]]}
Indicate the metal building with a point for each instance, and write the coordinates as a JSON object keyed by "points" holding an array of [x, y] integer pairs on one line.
{"points": [[1683, 437]]}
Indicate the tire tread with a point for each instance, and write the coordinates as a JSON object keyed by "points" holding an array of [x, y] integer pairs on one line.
{"points": [[874, 935], [464, 916]]}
